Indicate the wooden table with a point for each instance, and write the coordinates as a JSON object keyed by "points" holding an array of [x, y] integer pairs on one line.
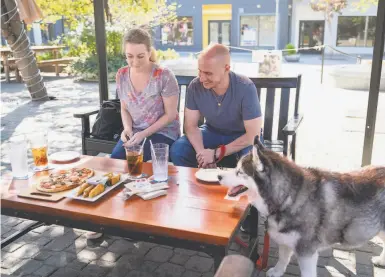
{"points": [[6, 51], [192, 215]]}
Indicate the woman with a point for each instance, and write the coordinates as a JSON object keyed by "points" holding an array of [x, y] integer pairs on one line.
{"points": [[149, 97]]}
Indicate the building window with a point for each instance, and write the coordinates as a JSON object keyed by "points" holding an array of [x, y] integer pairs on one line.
{"points": [[356, 31], [257, 30], [180, 32]]}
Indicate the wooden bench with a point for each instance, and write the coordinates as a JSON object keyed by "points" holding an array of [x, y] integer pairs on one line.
{"points": [[11, 65], [282, 139], [56, 63]]}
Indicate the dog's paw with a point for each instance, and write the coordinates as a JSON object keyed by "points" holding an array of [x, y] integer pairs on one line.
{"points": [[274, 272], [379, 261]]}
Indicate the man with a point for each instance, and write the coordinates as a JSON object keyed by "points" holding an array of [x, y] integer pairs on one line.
{"points": [[230, 105]]}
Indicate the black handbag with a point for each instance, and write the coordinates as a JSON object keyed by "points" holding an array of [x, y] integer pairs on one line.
{"points": [[108, 124]]}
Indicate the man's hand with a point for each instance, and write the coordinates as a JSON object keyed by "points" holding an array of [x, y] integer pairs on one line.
{"points": [[205, 157], [126, 135], [137, 138]]}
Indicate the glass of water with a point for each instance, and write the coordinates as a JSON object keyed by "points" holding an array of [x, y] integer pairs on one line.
{"points": [[19, 157], [159, 155]]}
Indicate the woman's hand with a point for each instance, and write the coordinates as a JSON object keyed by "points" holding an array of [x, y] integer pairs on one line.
{"points": [[126, 135], [137, 138]]}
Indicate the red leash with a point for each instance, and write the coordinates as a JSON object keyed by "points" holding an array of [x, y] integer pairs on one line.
{"points": [[263, 259]]}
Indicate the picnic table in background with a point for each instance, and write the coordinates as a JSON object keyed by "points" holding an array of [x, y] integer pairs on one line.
{"points": [[10, 63]]}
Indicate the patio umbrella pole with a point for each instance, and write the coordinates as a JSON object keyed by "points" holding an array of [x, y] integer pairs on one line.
{"points": [[12, 29], [375, 80]]}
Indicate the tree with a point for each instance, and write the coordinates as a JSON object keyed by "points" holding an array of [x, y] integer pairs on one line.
{"points": [[118, 12], [13, 30], [363, 5], [328, 7]]}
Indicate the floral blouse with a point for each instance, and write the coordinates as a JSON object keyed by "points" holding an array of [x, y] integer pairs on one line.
{"points": [[147, 107]]}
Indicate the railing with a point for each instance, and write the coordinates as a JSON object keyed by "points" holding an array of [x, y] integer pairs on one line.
{"points": [[319, 48]]}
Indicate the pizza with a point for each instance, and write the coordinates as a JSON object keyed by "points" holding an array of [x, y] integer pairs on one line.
{"points": [[63, 180]]}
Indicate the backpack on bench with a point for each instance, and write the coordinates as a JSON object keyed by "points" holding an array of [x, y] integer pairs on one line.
{"points": [[108, 124]]}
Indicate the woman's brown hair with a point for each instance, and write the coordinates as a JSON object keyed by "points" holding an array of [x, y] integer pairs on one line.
{"points": [[140, 36]]}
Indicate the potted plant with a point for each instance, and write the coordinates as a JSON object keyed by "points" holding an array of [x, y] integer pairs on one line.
{"points": [[291, 54]]}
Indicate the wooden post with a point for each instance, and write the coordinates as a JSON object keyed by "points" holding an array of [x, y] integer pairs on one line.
{"points": [[56, 55], [6, 68]]}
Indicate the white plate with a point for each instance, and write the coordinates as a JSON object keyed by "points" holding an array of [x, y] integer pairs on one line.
{"points": [[208, 175], [72, 193], [64, 156]]}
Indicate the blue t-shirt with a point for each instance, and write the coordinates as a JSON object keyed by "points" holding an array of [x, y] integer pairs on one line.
{"points": [[239, 103]]}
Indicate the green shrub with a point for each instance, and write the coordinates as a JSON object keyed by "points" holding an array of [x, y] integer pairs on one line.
{"points": [[291, 49]]}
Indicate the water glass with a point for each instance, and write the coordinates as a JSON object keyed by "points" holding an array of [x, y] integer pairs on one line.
{"points": [[19, 157], [159, 155]]}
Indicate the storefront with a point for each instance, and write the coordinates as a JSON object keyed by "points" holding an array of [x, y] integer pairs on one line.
{"points": [[352, 31], [260, 24]]}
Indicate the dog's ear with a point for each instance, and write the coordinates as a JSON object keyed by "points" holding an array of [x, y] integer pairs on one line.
{"points": [[256, 160]]}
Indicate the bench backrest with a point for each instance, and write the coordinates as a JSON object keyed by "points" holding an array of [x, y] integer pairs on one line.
{"points": [[285, 91], [287, 99]]}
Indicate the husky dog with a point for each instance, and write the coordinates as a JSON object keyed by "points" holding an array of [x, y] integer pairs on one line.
{"points": [[309, 210]]}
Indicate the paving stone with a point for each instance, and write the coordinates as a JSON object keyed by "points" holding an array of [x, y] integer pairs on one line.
{"points": [[200, 264], [132, 261], [363, 258], [293, 269], [41, 229], [121, 246], [120, 270], [24, 224], [208, 274], [185, 251], [43, 255], [169, 270], [13, 247], [13, 221], [364, 270], [26, 251], [344, 255], [78, 245], [159, 254], [66, 272], [9, 262], [61, 243], [379, 272], [136, 273], [202, 254], [29, 267], [105, 264], [5, 229], [55, 231], [45, 270], [110, 257], [92, 254], [78, 264], [94, 270], [180, 259], [190, 273], [149, 266], [60, 259]]}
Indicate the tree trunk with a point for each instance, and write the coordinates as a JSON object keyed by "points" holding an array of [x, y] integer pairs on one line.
{"points": [[12, 29]]}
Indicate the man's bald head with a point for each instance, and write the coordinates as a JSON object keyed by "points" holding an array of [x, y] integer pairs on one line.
{"points": [[214, 66], [216, 51]]}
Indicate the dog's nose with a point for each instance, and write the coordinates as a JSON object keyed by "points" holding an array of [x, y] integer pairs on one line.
{"points": [[220, 177]]}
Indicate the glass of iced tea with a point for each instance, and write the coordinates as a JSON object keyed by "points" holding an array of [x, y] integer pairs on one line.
{"points": [[39, 146], [134, 156]]}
